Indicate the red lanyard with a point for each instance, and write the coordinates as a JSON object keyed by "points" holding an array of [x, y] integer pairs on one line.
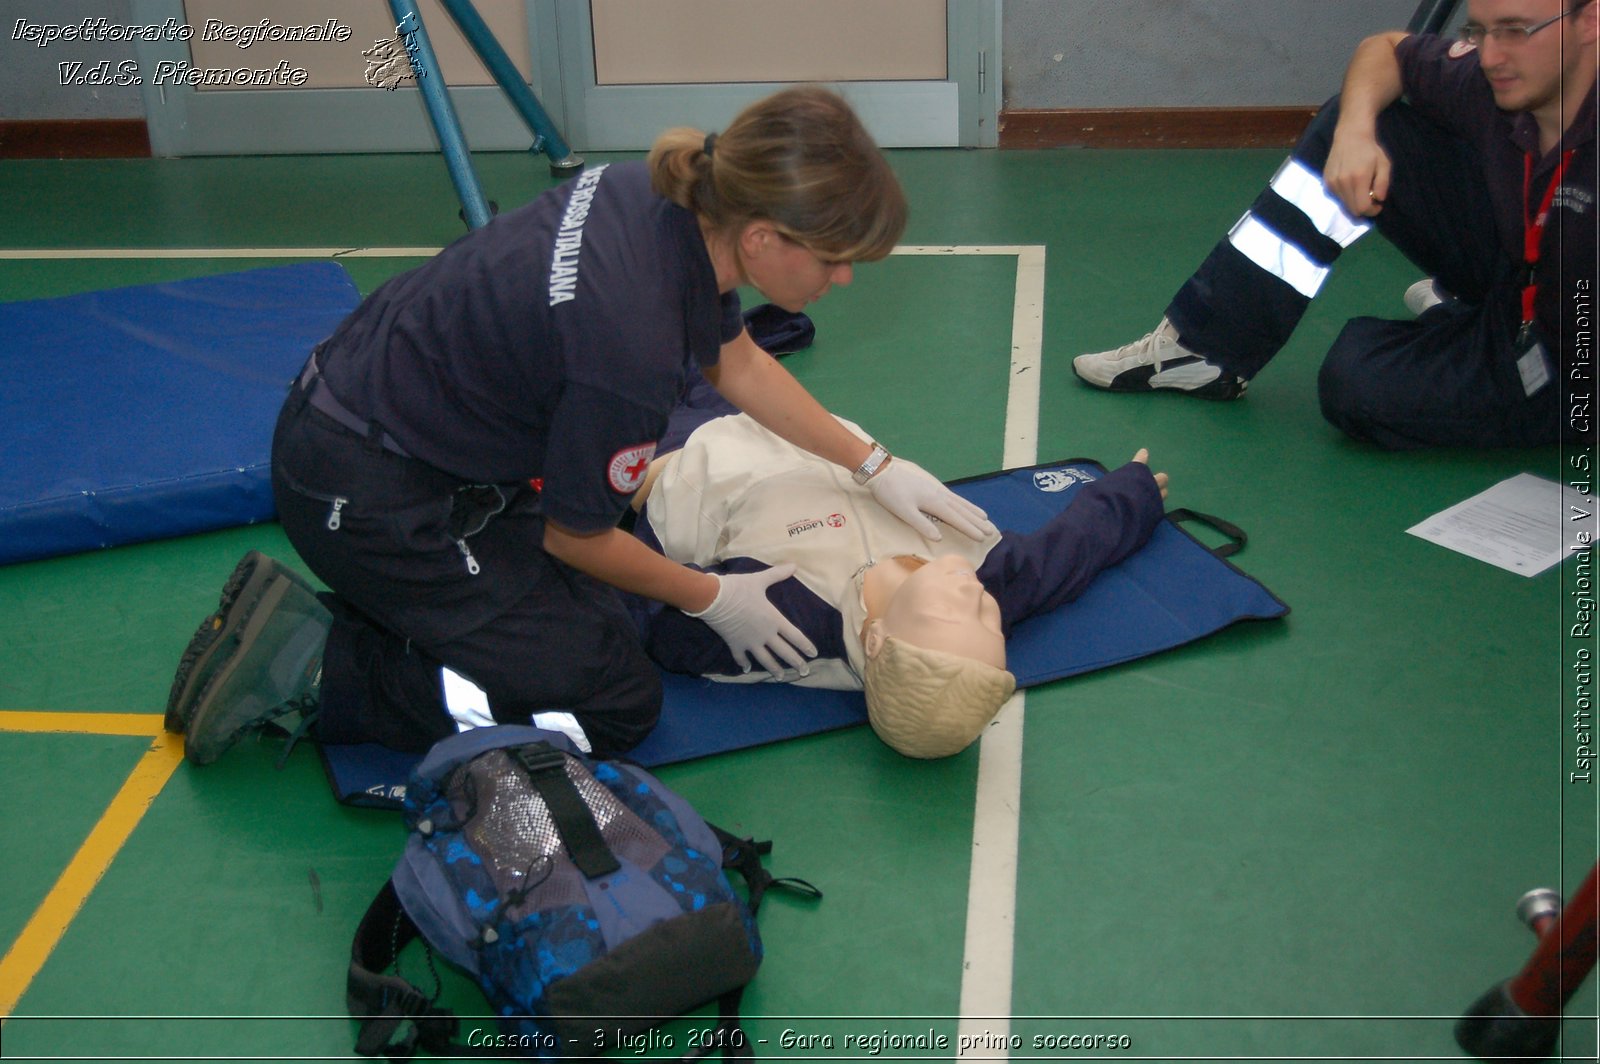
{"points": [[1533, 230]]}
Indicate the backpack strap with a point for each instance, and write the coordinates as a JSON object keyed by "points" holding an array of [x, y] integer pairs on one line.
{"points": [[730, 1036], [547, 771], [395, 1017], [743, 855]]}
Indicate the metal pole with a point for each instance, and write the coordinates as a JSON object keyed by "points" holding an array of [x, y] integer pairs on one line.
{"points": [[408, 23], [509, 78]]}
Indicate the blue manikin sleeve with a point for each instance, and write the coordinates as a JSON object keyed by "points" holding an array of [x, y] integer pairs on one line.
{"points": [[1034, 572], [680, 643]]}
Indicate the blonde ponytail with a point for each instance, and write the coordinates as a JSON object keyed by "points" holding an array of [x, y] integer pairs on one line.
{"points": [[799, 159]]}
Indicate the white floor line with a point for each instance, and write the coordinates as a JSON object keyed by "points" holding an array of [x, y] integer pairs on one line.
{"points": [[986, 968]]}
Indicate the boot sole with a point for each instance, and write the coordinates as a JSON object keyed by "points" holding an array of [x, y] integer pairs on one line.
{"points": [[209, 638], [206, 751]]}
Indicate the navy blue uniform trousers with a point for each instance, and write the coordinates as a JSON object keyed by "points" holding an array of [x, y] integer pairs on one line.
{"points": [[392, 537], [1448, 378]]}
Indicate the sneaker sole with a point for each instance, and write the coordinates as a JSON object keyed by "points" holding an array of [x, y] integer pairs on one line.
{"points": [[243, 585], [1138, 380], [207, 750]]}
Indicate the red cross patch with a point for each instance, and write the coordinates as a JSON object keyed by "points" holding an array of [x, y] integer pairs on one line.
{"points": [[628, 467]]}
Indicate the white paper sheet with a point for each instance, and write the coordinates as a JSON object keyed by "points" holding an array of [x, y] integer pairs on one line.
{"points": [[1524, 524]]}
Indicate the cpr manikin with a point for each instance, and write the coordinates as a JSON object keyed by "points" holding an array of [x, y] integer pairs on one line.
{"points": [[917, 623], [936, 654]]}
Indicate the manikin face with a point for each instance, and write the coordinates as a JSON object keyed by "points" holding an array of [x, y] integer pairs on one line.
{"points": [[787, 272], [1526, 73], [941, 606]]}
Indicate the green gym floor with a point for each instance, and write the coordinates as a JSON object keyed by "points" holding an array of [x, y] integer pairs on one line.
{"points": [[1296, 840]]}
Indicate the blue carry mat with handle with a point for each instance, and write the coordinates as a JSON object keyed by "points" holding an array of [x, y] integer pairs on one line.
{"points": [[1173, 591]]}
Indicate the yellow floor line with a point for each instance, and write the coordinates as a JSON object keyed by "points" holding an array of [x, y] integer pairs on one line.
{"points": [[26, 720], [51, 920]]}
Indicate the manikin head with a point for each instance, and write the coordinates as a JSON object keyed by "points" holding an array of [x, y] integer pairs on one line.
{"points": [[935, 655]]}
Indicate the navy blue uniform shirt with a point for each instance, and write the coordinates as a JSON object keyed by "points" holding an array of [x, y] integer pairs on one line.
{"points": [[551, 343], [1443, 80]]}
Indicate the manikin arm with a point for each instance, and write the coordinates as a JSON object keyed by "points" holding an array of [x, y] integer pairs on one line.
{"points": [[1034, 572]]}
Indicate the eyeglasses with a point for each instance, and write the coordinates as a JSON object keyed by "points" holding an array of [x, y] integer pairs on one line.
{"points": [[1512, 34]]}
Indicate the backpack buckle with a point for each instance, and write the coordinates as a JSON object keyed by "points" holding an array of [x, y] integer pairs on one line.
{"points": [[539, 759]]}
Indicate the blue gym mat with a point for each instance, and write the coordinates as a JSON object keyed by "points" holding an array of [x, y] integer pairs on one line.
{"points": [[136, 413], [1174, 591]]}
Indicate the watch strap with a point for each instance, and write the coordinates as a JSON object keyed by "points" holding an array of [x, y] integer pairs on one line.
{"points": [[873, 463]]}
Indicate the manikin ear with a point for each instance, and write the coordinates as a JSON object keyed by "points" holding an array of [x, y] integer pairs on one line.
{"points": [[873, 637]]}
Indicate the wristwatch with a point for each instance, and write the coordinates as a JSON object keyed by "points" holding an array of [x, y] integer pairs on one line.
{"points": [[873, 463]]}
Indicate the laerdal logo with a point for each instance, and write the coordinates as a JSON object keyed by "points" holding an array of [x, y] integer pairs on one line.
{"points": [[810, 524], [1059, 479]]}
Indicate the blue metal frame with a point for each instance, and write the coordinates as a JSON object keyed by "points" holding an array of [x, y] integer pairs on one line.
{"points": [[442, 114], [546, 138]]}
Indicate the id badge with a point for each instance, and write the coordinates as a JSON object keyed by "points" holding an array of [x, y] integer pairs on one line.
{"points": [[1533, 364]]}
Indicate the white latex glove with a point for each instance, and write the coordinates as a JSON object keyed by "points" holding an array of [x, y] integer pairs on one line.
{"points": [[913, 494], [752, 626]]}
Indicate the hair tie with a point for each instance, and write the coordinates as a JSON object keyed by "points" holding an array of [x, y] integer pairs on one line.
{"points": [[711, 143]]}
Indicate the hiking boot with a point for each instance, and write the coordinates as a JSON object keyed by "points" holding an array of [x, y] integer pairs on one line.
{"points": [[1156, 361], [264, 664], [1423, 296], [217, 637]]}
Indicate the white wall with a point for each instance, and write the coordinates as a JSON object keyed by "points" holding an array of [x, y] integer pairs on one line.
{"points": [[1184, 53], [30, 79]]}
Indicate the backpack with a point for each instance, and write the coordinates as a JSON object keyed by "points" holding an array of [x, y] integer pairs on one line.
{"points": [[587, 900]]}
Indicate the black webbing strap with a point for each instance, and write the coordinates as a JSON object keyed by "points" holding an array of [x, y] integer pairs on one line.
{"points": [[729, 1035], [547, 771], [396, 1019], [1234, 533], [743, 855]]}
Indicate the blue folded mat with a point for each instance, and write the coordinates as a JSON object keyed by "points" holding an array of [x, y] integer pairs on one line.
{"points": [[136, 413], [1173, 591]]}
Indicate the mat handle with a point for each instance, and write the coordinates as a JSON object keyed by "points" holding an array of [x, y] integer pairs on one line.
{"points": [[1235, 534]]}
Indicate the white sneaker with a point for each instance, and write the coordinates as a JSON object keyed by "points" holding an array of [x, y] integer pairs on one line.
{"points": [[1157, 361], [1422, 296]]}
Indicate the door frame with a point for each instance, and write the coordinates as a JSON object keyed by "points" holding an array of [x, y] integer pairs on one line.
{"points": [[960, 111]]}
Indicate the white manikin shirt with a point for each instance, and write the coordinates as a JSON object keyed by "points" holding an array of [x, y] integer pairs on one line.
{"points": [[735, 490]]}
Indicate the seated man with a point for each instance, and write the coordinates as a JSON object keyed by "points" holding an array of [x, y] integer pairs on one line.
{"points": [[1484, 177], [919, 625]]}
